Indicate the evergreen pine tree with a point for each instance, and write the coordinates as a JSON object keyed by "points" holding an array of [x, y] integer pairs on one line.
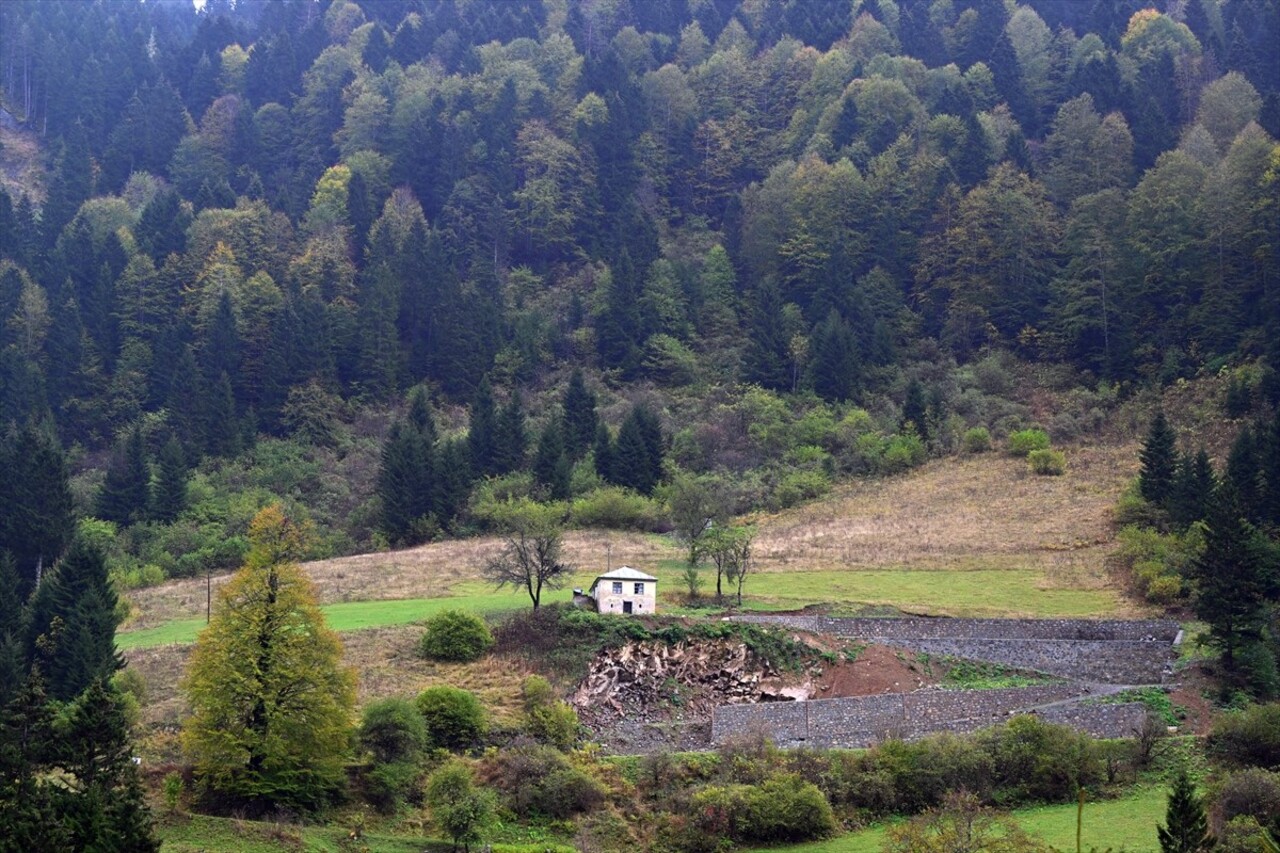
{"points": [[110, 812], [1159, 457], [833, 364], [37, 514], [1244, 467], [72, 621], [550, 465], [511, 438], [1192, 489], [633, 463], [482, 431], [767, 355], [169, 497], [404, 482], [580, 417], [221, 427], [453, 480], [603, 451], [1186, 828], [125, 495], [12, 662], [915, 410], [1231, 588]]}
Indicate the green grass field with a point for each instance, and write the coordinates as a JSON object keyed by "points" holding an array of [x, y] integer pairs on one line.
{"points": [[1128, 823], [345, 616], [980, 592]]}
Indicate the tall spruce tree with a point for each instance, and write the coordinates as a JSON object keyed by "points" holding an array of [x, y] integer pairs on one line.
{"points": [[1186, 827], [12, 659], [1192, 490], [482, 429], [169, 497], [580, 417], [72, 621], [404, 483], [1231, 581], [1244, 470], [125, 496], [511, 437], [1159, 456], [551, 467], [37, 514]]}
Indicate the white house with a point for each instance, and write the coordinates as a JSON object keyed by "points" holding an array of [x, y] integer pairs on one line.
{"points": [[625, 590]]}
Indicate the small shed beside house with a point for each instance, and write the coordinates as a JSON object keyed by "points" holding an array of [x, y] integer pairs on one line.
{"points": [[625, 590]]}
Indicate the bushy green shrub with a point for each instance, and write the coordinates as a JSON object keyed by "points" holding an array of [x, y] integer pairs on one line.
{"points": [[902, 452], [455, 635], [386, 786], [799, 486], [784, 809], [1040, 762], [393, 730], [546, 717], [1047, 463], [976, 440], [1159, 561], [455, 718], [616, 508], [540, 781], [1248, 738], [1022, 442], [1252, 792]]}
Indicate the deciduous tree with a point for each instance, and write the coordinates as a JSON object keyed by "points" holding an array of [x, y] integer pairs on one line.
{"points": [[271, 702]]}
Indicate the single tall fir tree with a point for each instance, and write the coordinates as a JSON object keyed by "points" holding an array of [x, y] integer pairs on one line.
{"points": [[1186, 827], [1159, 457]]}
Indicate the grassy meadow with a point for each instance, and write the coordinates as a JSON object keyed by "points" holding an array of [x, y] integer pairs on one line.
{"points": [[1128, 824]]}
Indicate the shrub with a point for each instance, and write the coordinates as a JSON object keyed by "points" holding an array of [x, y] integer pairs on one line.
{"points": [[1240, 835], [454, 718], [799, 486], [1248, 738], [1022, 442], [457, 806], [976, 440], [1038, 761], [539, 781], [1047, 463], [1253, 793], [393, 730], [901, 452], [616, 508], [455, 635], [783, 809], [547, 718], [386, 786]]}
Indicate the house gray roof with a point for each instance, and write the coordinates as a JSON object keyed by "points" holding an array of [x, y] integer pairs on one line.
{"points": [[625, 573]]}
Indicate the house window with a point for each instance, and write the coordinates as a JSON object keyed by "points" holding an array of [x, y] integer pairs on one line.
{"points": [[617, 587], [639, 589]]}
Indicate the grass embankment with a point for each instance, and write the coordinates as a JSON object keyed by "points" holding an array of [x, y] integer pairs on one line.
{"points": [[1128, 823], [203, 834]]}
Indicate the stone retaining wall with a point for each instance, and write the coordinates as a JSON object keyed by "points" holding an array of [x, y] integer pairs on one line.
{"points": [[866, 720], [1109, 652], [943, 627]]}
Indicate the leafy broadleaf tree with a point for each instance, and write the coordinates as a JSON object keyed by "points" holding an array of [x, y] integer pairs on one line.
{"points": [[458, 807], [271, 702], [531, 560]]}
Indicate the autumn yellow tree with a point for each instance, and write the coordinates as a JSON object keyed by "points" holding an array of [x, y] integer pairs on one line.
{"points": [[271, 702]]}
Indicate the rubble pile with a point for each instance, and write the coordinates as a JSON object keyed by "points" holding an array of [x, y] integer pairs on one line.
{"points": [[652, 681]]}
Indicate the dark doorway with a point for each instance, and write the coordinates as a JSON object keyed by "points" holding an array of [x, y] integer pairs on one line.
{"points": [[626, 607]]}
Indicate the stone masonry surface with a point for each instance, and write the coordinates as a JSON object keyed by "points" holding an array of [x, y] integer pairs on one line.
{"points": [[1095, 654]]}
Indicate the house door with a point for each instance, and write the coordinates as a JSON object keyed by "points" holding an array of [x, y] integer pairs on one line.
{"points": [[626, 607]]}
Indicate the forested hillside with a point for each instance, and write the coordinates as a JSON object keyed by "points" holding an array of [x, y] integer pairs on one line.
{"points": [[612, 244]]}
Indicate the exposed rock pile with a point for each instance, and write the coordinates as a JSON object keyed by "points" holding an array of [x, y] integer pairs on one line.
{"points": [[652, 681]]}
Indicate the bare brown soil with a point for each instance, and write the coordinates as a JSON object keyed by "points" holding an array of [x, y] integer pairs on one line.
{"points": [[878, 669]]}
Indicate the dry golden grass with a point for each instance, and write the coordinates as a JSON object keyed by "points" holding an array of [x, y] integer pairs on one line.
{"points": [[386, 664], [985, 511]]}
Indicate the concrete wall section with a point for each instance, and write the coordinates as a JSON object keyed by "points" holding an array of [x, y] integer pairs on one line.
{"points": [[1142, 630]]}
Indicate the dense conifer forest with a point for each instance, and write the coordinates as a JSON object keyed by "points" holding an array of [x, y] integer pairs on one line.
{"points": [[415, 269], [757, 229]]}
